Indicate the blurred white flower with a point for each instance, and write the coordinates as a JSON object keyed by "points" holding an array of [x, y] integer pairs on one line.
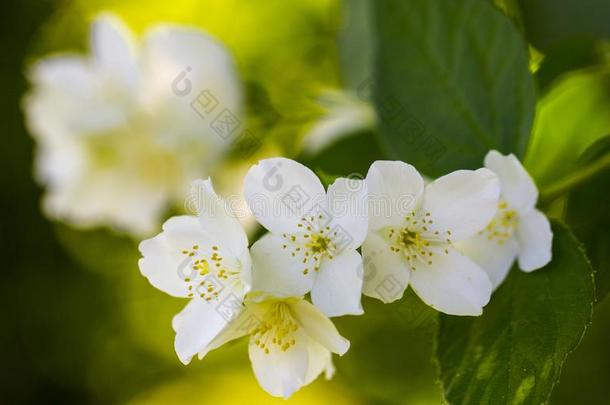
{"points": [[313, 235], [204, 258], [290, 342], [412, 230], [518, 229], [345, 115], [118, 139]]}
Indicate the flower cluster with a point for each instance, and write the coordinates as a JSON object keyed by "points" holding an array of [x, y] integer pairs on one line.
{"points": [[453, 240]]}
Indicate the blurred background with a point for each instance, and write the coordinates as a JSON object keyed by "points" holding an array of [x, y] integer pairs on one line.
{"points": [[82, 324]]}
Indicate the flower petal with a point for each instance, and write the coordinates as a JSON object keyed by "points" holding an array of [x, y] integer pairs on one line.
{"points": [[96, 198], [63, 88], [279, 372], [280, 191], [318, 327], [518, 187], [66, 76], [395, 188], [196, 326], [462, 202], [535, 241], [217, 217], [337, 289], [386, 273], [159, 266], [237, 327], [276, 271], [320, 360], [190, 79], [348, 206], [452, 284], [113, 47], [495, 258]]}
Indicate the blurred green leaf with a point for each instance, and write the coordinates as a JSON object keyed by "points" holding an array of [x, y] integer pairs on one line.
{"points": [[512, 10], [514, 352], [549, 22], [101, 250], [338, 158], [389, 360], [589, 217], [573, 54], [356, 43], [451, 82], [570, 117]]}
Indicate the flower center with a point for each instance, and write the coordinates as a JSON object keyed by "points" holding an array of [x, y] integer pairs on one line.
{"points": [[417, 242], [503, 226], [276, 329], [318, 243], [313, 241], [409, 238], [206, 271]]}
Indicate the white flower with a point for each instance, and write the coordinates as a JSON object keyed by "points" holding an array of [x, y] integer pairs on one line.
{"points": [[313, 235], [118, 140], [412, 230], [518, 230], [204, 258], [290, 342]]}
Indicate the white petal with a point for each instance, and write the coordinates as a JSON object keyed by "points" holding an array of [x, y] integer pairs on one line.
{"points": [[113, 47], [496, 259], [217, 217], [462, 202], [196, 326], [182, 230], [348, 206], [535, 241], [395, 189], [280, 191], [320, 360], [278, 372], [319, 328], [160, 266], [275, 271], [337, 289], [452, 284], [65, 90], [68, 75], [162, 260], [99, 197], [518, 187], [190, 80], [236, 328], [386, 273]]}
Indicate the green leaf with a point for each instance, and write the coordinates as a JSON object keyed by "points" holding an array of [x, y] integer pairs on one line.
{"points": [[356, 43], [569, 119], [549, 22], [451, 83], [584, 379], [512, 10], [389, 360], [573, 54], [589, 217], [338, 158], [514, 352]]}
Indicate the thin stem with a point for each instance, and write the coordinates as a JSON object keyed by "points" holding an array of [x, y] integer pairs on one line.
{"points": [[575, 179]]}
